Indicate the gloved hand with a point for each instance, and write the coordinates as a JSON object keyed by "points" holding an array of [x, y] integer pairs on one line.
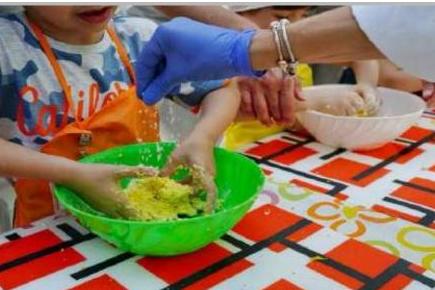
{"points": [[185, 50]]}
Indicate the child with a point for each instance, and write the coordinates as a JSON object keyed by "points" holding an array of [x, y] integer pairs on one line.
{"points": [[338, 102], [66, 89], [390, 76]]}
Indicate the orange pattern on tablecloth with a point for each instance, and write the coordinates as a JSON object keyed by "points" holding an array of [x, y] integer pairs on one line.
{"points": [[268, 148], [27, 245], [416, 133], [395, 213], [295, 155], [39, 268], [282, 284], [173, 269], [345, 170], [316, 188], [424, 196], [357, 255], [102, 282], [264, 222], [335, 274], [391, 149]]}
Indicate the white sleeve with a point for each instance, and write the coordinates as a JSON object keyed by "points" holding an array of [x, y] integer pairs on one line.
{"points": [[404, 34]]}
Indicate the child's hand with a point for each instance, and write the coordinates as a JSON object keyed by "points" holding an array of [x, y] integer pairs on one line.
{"points": [[370, 97], [196, 153], [98, 184], [192, 152], [339, 101]]}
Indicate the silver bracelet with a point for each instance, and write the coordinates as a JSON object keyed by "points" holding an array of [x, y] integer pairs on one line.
{"points": [[287, 62]]}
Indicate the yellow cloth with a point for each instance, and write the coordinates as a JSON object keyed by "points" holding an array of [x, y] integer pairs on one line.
{"points": [[242, 133]]}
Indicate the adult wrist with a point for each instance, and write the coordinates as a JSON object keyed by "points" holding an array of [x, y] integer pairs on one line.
{"points": [[262, 50], [242, 55]]}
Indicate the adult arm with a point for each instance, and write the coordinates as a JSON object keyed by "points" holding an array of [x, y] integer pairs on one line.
{"points": [[196, 51]]}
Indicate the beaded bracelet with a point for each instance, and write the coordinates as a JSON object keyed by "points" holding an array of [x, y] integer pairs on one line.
{"points": [[287, 62]]}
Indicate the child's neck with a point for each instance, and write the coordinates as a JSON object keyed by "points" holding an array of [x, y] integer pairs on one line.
{"points": [[66, 36]]}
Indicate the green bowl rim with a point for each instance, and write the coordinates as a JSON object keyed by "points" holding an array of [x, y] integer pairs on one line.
{"points": [[184, 220]]}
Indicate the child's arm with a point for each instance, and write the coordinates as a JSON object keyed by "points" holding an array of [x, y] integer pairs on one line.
{"points": [[366, 72], [218, 110], [97, 183], [367, 78]]}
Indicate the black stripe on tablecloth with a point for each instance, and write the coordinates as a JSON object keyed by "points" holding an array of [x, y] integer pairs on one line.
{"points": [[387, 275], [101, 266], [429, 215], [327, 261], [69, 230], [235, 242], [287, 149], [13, 237], [238, 256], [415, 186], [125, 256], [47, 251], [297, 134], [393, 158], [332, 154], [420, 278], [427, 220], [337, 187], [400, 267]]}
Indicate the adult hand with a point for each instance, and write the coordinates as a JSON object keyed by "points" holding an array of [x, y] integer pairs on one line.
{"points": [[270, 98], [185, 50]]}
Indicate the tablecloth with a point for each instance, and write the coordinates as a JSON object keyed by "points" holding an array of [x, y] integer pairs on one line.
{"points": [[326, 219]]}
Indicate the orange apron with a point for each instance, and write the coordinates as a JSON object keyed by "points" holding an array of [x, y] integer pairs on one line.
{"points": [[123, 120]]}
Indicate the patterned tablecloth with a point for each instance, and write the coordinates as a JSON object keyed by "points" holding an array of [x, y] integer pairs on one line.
{"points": [[327, 219]]}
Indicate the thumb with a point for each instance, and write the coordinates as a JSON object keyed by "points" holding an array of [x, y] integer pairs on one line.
{"points": [[159, 87], [135, 171], [171, 166], [151, 72]]}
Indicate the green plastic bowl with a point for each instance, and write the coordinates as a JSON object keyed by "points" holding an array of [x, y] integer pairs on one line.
{"points": [[239, 180]]}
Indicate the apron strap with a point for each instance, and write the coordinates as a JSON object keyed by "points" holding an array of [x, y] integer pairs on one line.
{"points": [[122, 53], [54, 64], [58, 70]]}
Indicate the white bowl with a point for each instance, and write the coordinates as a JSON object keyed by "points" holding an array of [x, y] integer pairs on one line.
{"points": [[399, 111]]}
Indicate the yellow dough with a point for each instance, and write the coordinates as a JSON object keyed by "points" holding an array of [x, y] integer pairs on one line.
{"points": [[362, 113], [161, 198]]}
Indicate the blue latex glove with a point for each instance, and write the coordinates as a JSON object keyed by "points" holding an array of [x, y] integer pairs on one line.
{"points": [[185, 50]]}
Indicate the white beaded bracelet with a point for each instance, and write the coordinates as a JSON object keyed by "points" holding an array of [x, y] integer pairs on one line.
{"points": [[287, 62]]}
